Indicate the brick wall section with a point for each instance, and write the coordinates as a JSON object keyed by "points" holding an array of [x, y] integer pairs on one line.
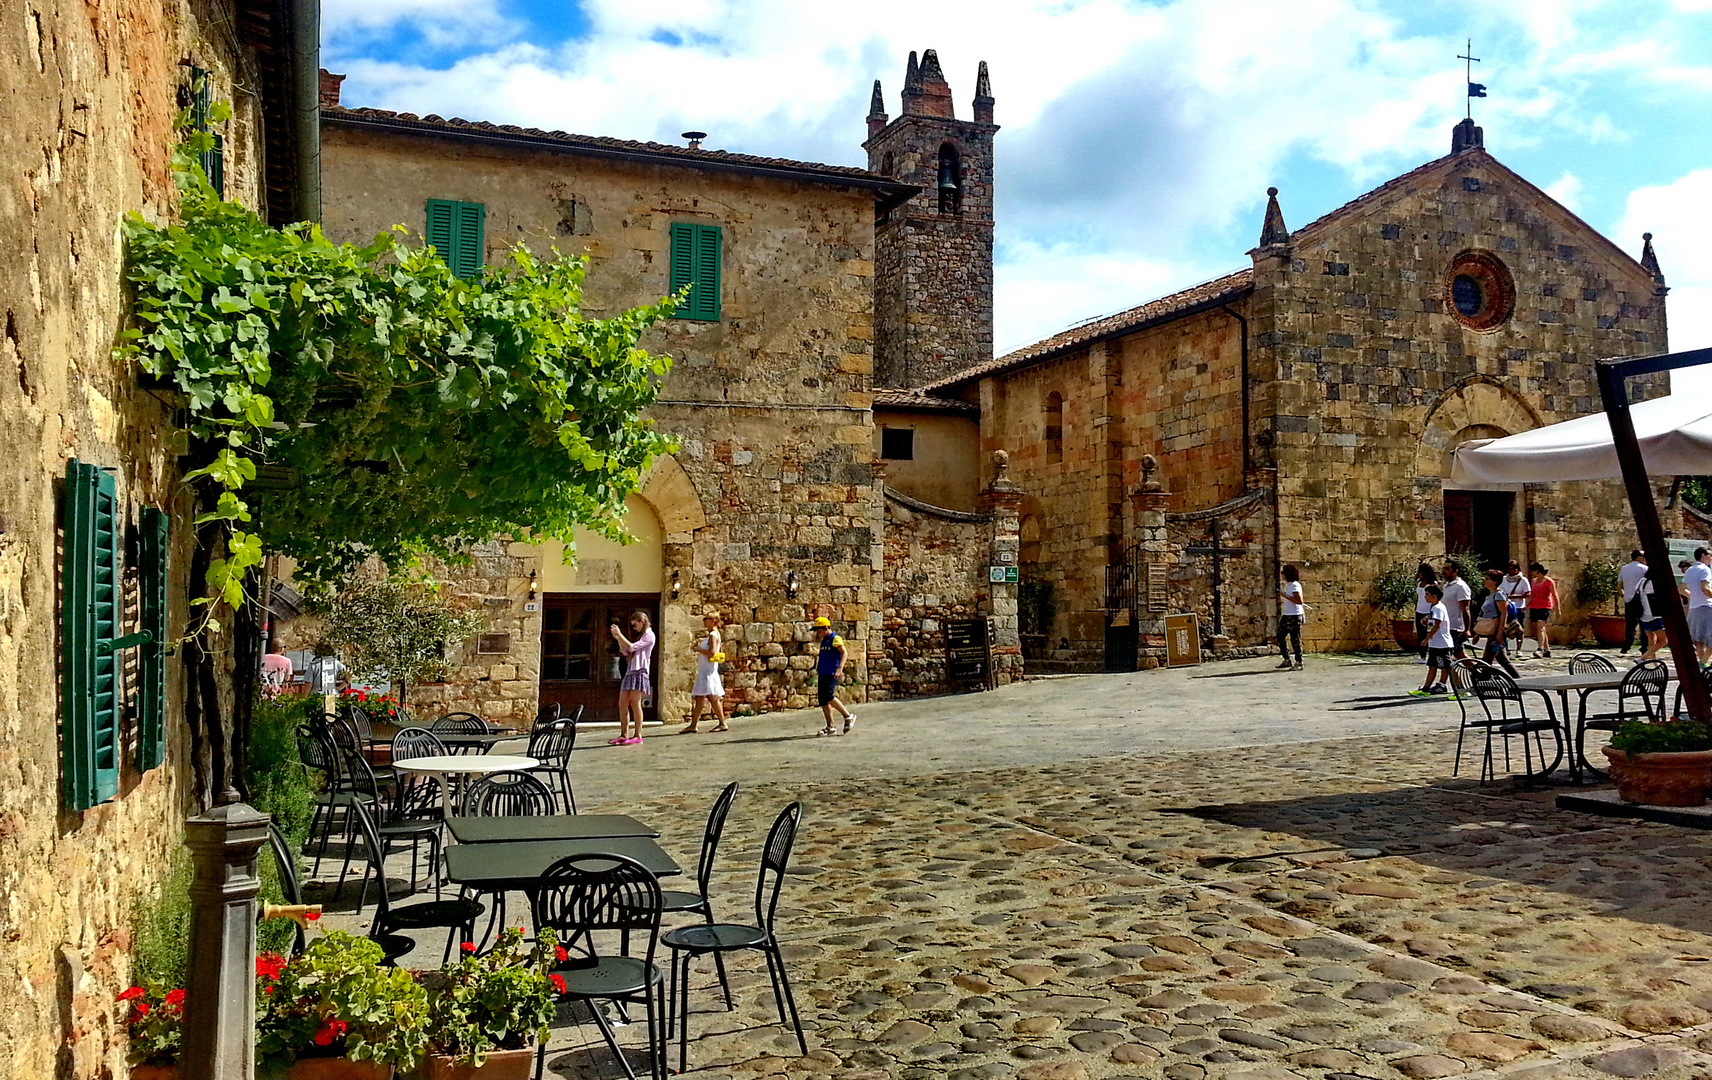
{"points": [[91, 92], [936, 570], [1359, 362]]}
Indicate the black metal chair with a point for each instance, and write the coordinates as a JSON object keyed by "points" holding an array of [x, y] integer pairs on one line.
{"points": [[677, 901], [688, 942], [1590, 663], [319, 753], [460, 914], [461, 723], [1502, 712], [553, 747], [415, 742], [509, 794], [546, 715], [285, 863], [583, 895], [402, 816], [1640, 697], [1676, 709]]}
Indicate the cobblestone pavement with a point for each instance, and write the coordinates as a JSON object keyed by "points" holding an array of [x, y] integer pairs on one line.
{"points": [[1336, 907]]}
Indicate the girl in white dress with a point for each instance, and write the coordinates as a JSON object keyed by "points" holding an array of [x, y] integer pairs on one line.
{"points": [[709, 690]]}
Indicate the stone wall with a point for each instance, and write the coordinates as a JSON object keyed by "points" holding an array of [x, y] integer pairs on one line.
{"points": [[91, 93], [936, 570], [1366, 377]]}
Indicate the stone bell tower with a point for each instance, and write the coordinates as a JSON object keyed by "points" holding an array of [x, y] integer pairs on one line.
{"points": [[933, 255]]}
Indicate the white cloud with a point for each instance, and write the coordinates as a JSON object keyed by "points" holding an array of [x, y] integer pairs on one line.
{"points": [[442, 23], [1044, 290], [1679, 215], [1566, 189]]}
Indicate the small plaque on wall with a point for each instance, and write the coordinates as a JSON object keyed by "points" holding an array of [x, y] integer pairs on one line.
{"points": [[493, 644]]}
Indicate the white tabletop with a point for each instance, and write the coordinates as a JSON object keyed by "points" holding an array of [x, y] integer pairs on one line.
{"points": [[467, 763]]}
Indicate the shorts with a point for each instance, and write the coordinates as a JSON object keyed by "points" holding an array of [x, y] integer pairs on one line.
{"points": [[1459, 639], [1438, 658], [1700, 625], [635, 680], [1653, 626], [828, 686], [1539, 614]]}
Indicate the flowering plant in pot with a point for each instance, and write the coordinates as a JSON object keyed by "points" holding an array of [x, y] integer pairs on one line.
{"points": [[335, 1010], [488, 1011], [1661, 764], [154, 1022]]}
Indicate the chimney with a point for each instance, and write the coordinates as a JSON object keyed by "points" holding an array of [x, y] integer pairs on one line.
{"points": [[694, 138], [1466, 136], [876, 112], [983, 96], [330, 89]]}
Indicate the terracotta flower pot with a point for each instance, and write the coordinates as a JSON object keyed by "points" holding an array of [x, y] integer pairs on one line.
{"points": [[337, 1068], [1662, 779], [1406, 634], [154, 1072], [1607, 630], [500, 1065]]}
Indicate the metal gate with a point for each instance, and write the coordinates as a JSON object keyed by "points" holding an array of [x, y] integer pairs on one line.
{"points": [[1123, 612]]}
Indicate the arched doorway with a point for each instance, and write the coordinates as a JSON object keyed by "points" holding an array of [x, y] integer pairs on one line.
{"points": [[1485, 519], [1480, 520], [580, 661]]}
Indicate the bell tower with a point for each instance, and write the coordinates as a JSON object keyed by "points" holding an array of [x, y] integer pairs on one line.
{"points": [[933, 255]]}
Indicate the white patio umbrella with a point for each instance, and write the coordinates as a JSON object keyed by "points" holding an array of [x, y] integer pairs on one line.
{"points": [[1674, 432]]}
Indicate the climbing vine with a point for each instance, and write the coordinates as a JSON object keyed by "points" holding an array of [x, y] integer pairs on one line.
{"points": [[348, 402]]}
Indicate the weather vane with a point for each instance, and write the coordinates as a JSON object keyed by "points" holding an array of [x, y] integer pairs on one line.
{"points": [[1474, 89]]}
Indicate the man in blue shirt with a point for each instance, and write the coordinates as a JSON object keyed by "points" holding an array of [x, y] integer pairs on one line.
{"points": [[828, 666]]}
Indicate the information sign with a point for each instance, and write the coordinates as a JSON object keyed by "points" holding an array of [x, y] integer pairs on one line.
{"points": [[1182, 640], [968, 652]]}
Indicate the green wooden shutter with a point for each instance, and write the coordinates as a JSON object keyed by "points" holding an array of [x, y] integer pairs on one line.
{"points": [[455, 229], [89, 665], [695, 262], [201, 104], [151, 694]]}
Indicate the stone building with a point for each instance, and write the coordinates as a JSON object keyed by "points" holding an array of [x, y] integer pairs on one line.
{"points": [[94, 785], [1302, 409], [772, 509]]}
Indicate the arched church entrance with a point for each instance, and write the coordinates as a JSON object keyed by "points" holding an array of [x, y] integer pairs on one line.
{"points": [[1483, 519], [580, 661]]}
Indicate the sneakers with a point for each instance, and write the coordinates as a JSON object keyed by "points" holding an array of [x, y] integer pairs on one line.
{"points": [[1298, 665], [1419, 691], [1285, 666], [1436, 688]]}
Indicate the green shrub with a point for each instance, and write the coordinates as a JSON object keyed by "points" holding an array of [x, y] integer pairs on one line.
{"points": [[277, 781], [1598, 583], [1394, 588], [160, 923], [499, 1000], [1671, 737]]}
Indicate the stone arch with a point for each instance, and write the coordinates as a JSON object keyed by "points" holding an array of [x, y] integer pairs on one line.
{"points": [[1479, 402], [673, 496]]}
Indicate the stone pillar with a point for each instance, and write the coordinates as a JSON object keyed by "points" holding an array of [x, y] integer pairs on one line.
{"points": [[220, 1000], [1148, 504], [1001, 501]]}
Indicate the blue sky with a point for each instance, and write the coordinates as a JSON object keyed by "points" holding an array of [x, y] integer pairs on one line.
{"points": [[1138, 138]]}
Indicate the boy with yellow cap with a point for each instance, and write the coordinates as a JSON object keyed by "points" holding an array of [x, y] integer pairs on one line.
{"points": [[828, 666]]}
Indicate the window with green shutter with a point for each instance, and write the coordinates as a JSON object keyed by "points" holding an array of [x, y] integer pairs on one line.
{"points": [[151, 690], [695, 262], [455, 231], [201, 105], [89, 631]]}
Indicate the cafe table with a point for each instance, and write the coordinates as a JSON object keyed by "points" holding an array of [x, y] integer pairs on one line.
{"points": [[511, 828], [517, 865], [440, 766], [482, 742], [1582, 685]]}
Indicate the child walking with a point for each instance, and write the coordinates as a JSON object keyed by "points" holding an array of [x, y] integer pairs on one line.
{"points": [[828, 666], [1439, 646]]}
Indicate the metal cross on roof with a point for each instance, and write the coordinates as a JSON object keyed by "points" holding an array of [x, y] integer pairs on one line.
{"points": [[1474, 89]]}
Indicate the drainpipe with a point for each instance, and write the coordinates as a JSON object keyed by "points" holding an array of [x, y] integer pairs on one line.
{"points": [[1246, 452], [305, 89]]}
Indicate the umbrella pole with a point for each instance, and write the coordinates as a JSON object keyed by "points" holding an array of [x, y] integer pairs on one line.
{"points": [[1613, 376]]}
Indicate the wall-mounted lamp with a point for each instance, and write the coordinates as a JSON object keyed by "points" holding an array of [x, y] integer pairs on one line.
{"points": [[534, 586], [791, 585], [674, 584]]}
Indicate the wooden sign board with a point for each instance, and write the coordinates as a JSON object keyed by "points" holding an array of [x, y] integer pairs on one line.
{"points": [[1182, 640], [968, 652]]}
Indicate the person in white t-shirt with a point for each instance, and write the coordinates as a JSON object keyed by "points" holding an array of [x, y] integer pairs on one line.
{"points": [[1457, 599], [1290, 611], [1697, 582], [1629, 578], [1439, 645], [1424, 575]]}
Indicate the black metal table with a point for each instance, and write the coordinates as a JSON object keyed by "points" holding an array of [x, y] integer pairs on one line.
{"points": [[1582, 684], [517, 865], [499, 830], [469, 740]]}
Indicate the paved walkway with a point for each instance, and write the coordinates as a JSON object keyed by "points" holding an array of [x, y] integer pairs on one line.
{"points": [[1220, 873]]}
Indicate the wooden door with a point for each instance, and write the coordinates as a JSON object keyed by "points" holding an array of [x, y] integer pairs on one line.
{"points": [[1479, 521], [580, 663]]}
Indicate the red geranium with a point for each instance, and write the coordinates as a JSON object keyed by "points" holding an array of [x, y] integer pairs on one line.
{"points": [[558, 981], [560, 954], [174, 999], [331, 1030], [132, 994], [468, 946]]}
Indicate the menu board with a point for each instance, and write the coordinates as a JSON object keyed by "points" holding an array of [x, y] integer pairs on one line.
{"points": [[968, 651], [1182, 640]]}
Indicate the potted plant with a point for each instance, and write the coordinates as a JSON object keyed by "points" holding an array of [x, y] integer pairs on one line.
{"points": [[154, 1021], [488, 1012], [335, 1013], [1661, 764], [1394, 591], [1597, 586]]}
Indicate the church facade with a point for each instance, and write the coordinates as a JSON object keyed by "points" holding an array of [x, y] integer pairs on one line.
{"points": [[1302, 410]]}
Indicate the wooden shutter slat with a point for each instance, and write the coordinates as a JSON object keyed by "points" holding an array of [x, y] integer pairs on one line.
{"points": [[439, 232], [471, 218], [151, 691], [695, 253], [89, 713], [707, 271]]}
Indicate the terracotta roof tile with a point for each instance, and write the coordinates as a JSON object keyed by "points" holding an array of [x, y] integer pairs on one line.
{"points": [[919, 399], [598, 144], [1206, 294]]}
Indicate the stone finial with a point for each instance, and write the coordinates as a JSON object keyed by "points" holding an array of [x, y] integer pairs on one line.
{"points": [[1466, 135], [1001, 463], [1272, 231], [926, 93], [1150, 475], [912, 76], [983, 96], [1649, 259], [876, 111]]}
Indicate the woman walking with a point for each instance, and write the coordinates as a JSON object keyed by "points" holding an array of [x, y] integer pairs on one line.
{"points": [[1494, 616], [638, 677], [1290, 616], [709, 690], [1542, 601], [1650, 622], [1424, 576]]}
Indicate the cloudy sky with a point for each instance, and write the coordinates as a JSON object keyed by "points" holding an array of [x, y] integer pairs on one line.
{"points": [[1138, 138]]}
